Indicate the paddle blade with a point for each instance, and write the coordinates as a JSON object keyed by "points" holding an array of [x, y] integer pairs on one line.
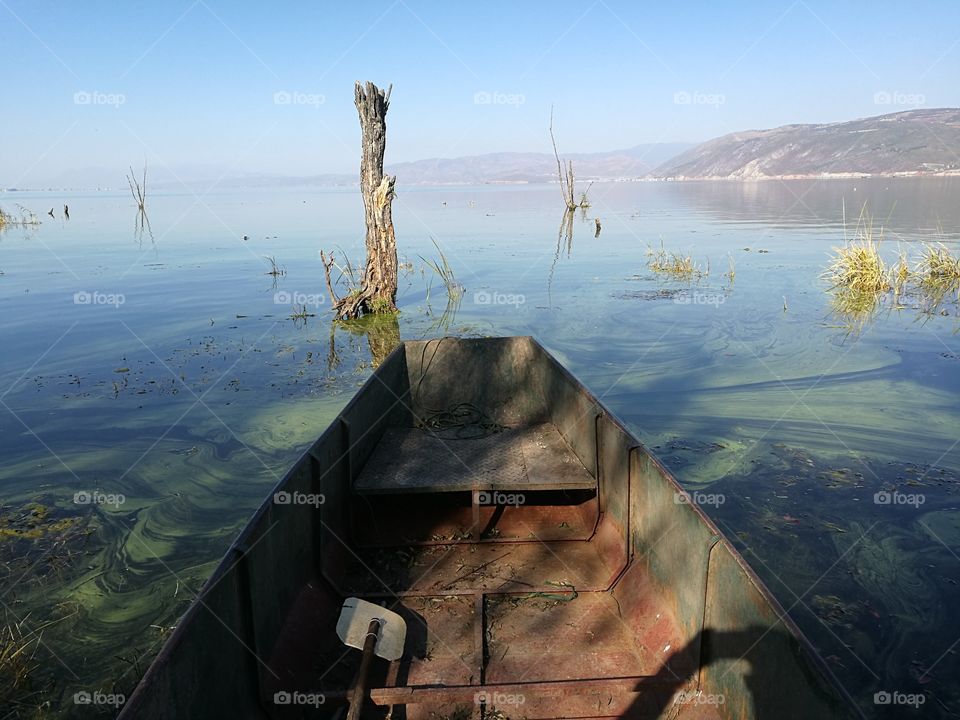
{"points": [[355, 619]]}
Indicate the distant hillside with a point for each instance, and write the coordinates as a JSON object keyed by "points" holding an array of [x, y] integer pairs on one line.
{"points": [[534, 167], [914, 142]]}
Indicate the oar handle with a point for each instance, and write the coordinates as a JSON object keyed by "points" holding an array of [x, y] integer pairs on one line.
{"points": [[359, 693]]}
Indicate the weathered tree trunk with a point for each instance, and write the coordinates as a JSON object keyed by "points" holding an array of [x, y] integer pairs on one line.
{"points": [[378, 289]]}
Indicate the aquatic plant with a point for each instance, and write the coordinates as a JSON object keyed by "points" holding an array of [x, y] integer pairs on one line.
{"points": [[675, 265], [442, 268], [858, 266], [301, 313], [731, 272], [275, 270], [26, 218], [138, 189], [900, 273], [17, 652], [938, 267]]}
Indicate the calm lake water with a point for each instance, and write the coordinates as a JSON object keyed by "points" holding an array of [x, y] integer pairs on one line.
{"points": [[153, 388]]}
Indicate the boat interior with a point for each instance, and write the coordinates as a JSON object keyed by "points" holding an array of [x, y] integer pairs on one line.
{"points": [[545, 564]]}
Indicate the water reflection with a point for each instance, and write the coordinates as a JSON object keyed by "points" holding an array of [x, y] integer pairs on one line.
{"points": [[382, 332], [564, 241]]}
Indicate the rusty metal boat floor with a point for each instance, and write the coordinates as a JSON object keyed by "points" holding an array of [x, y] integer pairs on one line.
{"points": [[535, 600]]}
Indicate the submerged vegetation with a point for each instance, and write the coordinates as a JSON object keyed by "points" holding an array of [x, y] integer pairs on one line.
{"points": [[40, 545]]}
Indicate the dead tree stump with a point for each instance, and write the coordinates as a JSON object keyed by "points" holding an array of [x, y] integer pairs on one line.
{"points": [[378, 289]]}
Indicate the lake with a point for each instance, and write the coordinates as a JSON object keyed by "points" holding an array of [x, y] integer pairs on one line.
{"points": [[154, 387]]}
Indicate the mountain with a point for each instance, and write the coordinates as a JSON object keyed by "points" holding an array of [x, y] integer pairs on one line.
{"points": [[534, 167], [914, 142]]}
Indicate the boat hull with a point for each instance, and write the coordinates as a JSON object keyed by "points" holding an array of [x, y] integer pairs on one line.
{"points": [[589, 590]]}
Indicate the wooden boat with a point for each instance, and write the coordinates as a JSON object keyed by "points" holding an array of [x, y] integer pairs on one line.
{"points": [[545, 563]]}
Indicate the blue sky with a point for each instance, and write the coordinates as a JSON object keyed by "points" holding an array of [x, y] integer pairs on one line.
{"points": [[203, 88]]}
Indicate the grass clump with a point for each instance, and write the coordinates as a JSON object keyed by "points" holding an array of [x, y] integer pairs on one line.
{"points": [[675, 265], [859, 267], [862, 282], [938, 267]]}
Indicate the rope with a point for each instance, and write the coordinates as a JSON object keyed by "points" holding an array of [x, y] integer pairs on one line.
{"points": [[464, 421]]}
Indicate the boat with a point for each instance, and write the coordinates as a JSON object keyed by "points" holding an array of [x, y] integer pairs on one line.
{"points": [[544, 563]]}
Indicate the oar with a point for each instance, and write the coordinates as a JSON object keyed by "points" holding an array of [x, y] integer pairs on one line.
{"points": [[376, 631]]}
